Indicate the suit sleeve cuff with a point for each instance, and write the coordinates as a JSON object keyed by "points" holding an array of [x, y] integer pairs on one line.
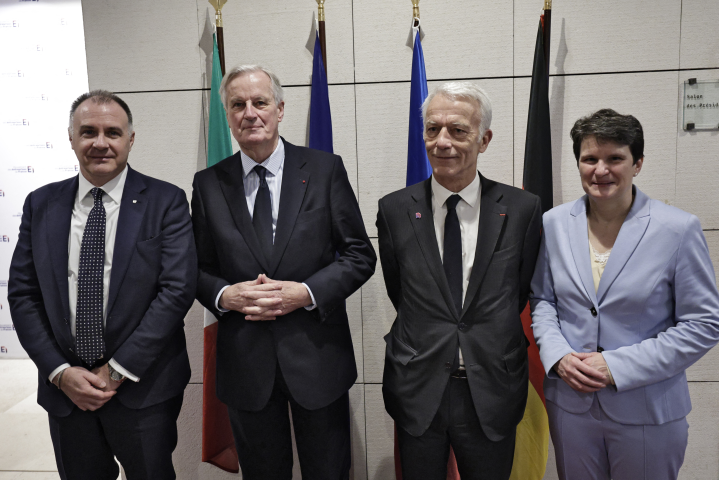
{"points": [[217, 300], [314, 304], [124, 372], [58, 370]]}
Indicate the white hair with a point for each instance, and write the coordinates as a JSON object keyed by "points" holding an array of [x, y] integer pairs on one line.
{"points": [[277, 91], [463, 91]]}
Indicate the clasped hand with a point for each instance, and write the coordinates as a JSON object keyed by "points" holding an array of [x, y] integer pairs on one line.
{"points": [[264, 298], [584, 372], [89, 390]]}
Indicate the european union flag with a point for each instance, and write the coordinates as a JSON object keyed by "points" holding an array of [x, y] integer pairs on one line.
{"points": [[418, 167], [320, 116]]}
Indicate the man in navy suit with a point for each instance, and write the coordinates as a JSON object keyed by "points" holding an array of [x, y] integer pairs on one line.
{"points": [[281, 245], [100, 281]]}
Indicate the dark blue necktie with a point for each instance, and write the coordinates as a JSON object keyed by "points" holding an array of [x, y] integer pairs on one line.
{"points": [[452, 256], [262, 214], [88, 327]]}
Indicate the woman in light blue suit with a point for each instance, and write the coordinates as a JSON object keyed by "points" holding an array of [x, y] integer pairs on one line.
{"points": [[624, 300]]}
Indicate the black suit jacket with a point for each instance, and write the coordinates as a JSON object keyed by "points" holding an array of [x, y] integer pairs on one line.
{"points": [[320, 240], [422, 343], [152, 286]]}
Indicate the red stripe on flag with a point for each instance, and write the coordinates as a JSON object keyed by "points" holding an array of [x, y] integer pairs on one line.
{"points": [[218, 445], [536, 370]]}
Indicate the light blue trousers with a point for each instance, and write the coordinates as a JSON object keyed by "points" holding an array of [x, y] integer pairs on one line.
{"points": [[591, 446]]}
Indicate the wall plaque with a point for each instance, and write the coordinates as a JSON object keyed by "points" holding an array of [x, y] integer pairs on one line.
{"points": [[701, 104]]}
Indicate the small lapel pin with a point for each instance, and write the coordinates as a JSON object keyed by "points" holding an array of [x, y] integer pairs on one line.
{"points": [[502, 214], [417, 215], [134, 201], [303, 181]]}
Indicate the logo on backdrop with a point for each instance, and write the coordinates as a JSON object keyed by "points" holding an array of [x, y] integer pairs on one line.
{"points": [[2, 193], [3, 283], [4, 239], [3, 349], [10, 24], [71, 168], [27, 169]]}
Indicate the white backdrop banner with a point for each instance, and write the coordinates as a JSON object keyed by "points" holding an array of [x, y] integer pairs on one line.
{"points": [[42, 70]]}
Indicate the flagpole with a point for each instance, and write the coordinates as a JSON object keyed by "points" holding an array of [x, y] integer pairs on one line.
{"points": [[321, 22], [547, 31], [218, 4]]}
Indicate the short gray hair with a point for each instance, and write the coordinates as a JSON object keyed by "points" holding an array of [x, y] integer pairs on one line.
{"points": [[100, 97], [277, 91], [463, 91]]}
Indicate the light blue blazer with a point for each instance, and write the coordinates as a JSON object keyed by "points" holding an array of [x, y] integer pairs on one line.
{"points": [[656, 311]]}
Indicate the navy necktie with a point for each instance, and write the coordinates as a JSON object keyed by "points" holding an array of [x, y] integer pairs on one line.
{"points": [[88, 333], [452, 256], [262, 214]]}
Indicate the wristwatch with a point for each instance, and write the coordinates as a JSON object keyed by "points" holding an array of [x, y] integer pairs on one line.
{"points": [[115, 375]]}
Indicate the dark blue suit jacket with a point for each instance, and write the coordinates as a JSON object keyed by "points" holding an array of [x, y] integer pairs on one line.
{"points": [[152, 286], [320, 240]]}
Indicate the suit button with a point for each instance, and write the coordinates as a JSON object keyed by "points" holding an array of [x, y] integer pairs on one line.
{"points": [[71, 350], [593, 311], [599, 349], [448, 366], [463, 326]]}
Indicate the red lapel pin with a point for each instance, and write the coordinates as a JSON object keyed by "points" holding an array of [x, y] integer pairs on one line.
{"points": [[417, 215]]}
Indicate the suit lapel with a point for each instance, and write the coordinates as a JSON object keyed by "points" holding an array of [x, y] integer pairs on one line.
{"points": [[59, 218], [132, 209], [629, 237], [579, 243], [423, 225], [231, 178], [491, 219], [294, 186]]}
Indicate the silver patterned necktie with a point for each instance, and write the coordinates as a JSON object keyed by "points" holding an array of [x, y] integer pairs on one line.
{"points": [[90, 345]]}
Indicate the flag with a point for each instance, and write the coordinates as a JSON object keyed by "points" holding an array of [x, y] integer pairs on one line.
{"points": [[218, 446], [418, 167], [532, 444], [320, 116]]}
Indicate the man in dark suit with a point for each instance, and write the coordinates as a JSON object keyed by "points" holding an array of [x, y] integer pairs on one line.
{"points": [[100, 281], [458, 252], [281, 245]]}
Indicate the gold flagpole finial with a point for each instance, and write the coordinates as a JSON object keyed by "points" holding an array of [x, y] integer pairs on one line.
{"points": [[320, 10], [218, 4], [415, 8], [547, 4]]}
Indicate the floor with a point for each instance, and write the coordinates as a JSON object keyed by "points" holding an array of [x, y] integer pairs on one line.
{"points": [[25, 447]]}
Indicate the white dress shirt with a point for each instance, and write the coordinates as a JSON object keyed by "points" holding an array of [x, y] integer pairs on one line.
{"points": [[81, 210], [468, 214], [274, 164]]}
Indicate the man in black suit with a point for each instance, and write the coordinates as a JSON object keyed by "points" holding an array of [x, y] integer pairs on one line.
{"points": [[100, 281], [458, 253], [281, 245]]}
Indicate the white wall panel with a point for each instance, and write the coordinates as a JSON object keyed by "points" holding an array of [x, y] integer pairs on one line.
{"points": [[701, 461], [696, 162], [609, 36], [463, 39], [169, 136], [354, 313], [380, 436], [138, 45], [378, 314], [382, 131], [358, 432], [651, 97], [699, 47], [295, 125], [195, 336], [275, 34]]}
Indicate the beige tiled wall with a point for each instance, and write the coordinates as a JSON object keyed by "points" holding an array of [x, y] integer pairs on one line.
{"points": [[631, 55]]}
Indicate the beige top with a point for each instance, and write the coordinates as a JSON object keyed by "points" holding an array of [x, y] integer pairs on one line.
{"points": [[597, 271], [597, 268]]}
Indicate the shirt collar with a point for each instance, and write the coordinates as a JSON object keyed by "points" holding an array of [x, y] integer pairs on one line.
{"points": [[112, 189], [273, 163], [470, 193]]}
